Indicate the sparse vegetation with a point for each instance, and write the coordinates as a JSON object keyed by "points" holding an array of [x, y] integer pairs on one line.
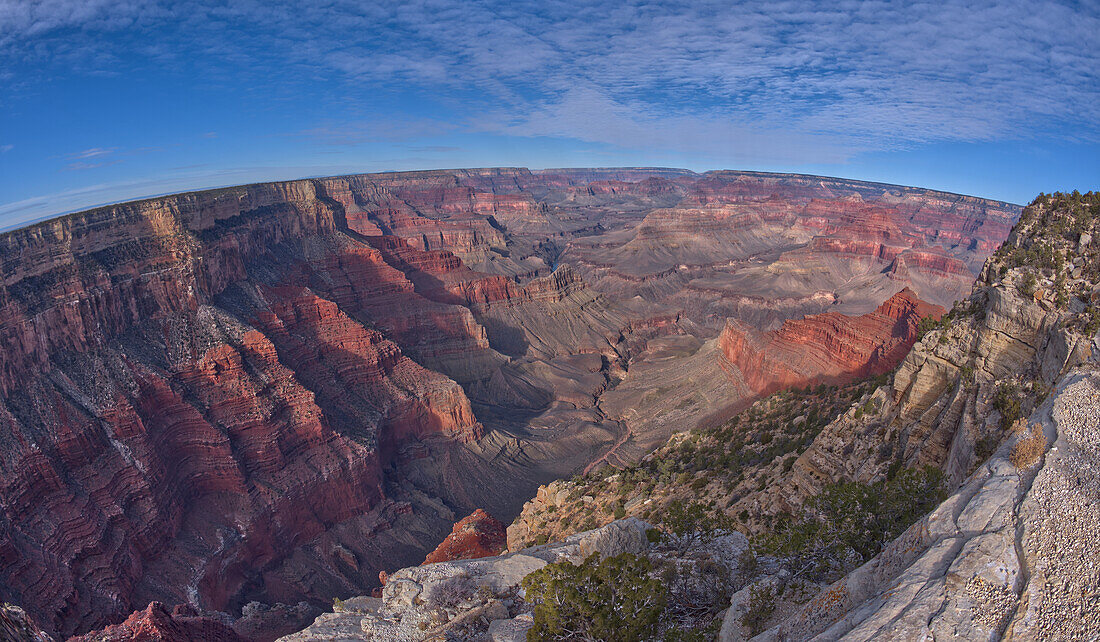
{"points": [[615, 599], [1047, 253], [759, 609], [453, 591], [1030, 446], [926, 325], [688, 524], [848, 523], [1006, 400], [722, 464], [1027, 284]]}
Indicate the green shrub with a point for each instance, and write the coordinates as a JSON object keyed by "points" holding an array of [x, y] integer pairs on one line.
{"points": [[1006, 400], [705, 634], [851, 521], [1093, 325], [926, 325], [1027, 286], [759, 609], [616, 599], [692, 523]]}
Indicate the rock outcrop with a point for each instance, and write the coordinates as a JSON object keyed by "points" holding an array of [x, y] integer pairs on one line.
{"points": [[429, 601], [995, 353], [15, 626], [481, 599], [1004, 397], [157, 623], [1011, 555], [828, 347], [477, 535]]}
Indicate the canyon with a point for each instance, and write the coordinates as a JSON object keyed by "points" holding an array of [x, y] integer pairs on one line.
{"points": [[960, 487], [238, 400]]}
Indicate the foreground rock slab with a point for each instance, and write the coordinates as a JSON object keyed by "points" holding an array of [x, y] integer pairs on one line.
{"points": [[1014, 554], [436, 600]]}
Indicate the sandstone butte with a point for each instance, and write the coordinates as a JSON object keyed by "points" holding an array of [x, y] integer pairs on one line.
{"points": [[266, 394], [829, 347]]}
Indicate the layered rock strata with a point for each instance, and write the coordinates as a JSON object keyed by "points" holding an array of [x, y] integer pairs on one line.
{"points": [[1007, 555], [271, 392], [828, 347], [158, 623], [1001, 348], [1010, 555], [477, 535]]}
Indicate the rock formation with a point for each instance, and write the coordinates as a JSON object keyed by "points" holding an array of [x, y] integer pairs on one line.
{"points": [[1003, 397], [15, 626], [477, 599], [476, 535], [156, 622], [828, 347], [1010, 555], [268, 393], [945, 404]]}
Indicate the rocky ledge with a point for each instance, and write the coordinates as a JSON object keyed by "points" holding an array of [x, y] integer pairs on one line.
{"points": [[474, 598], [482, 599], [1014, 554]]}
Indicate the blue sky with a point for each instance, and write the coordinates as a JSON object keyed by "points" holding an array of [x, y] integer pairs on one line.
{"points": [[106, 100]]}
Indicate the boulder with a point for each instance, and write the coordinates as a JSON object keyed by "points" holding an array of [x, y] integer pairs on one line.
{"points": [[400, 593], [478, 535], [622, 536], [513, 630], [732, 629]]}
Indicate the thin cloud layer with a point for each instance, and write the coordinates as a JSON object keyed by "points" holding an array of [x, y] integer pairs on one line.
{"points": [[833, 78]]}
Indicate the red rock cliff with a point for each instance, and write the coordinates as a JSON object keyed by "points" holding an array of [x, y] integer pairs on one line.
{"points": [[827, 347], [204, 397], [179, 410], [476, 535]]}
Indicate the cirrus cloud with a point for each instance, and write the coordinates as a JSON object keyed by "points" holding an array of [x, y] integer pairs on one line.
{"points": [[857, 75]]}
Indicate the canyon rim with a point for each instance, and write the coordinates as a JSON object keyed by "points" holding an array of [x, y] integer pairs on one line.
{"points": [[528, 321]]}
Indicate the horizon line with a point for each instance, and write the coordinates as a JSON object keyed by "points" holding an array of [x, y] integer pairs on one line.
{"points": [[680, 170]]}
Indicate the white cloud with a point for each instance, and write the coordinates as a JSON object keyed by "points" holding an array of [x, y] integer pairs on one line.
{"points": [[790, 77], [91, 153], [589, 114]]}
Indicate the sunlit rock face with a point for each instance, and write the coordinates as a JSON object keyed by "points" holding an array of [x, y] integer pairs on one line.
{"points": [[827, 347], [477, 535], [272, 392]]}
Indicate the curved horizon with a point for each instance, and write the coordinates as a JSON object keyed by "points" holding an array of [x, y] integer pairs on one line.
{"points": [[15, 226], [105, 102]]}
